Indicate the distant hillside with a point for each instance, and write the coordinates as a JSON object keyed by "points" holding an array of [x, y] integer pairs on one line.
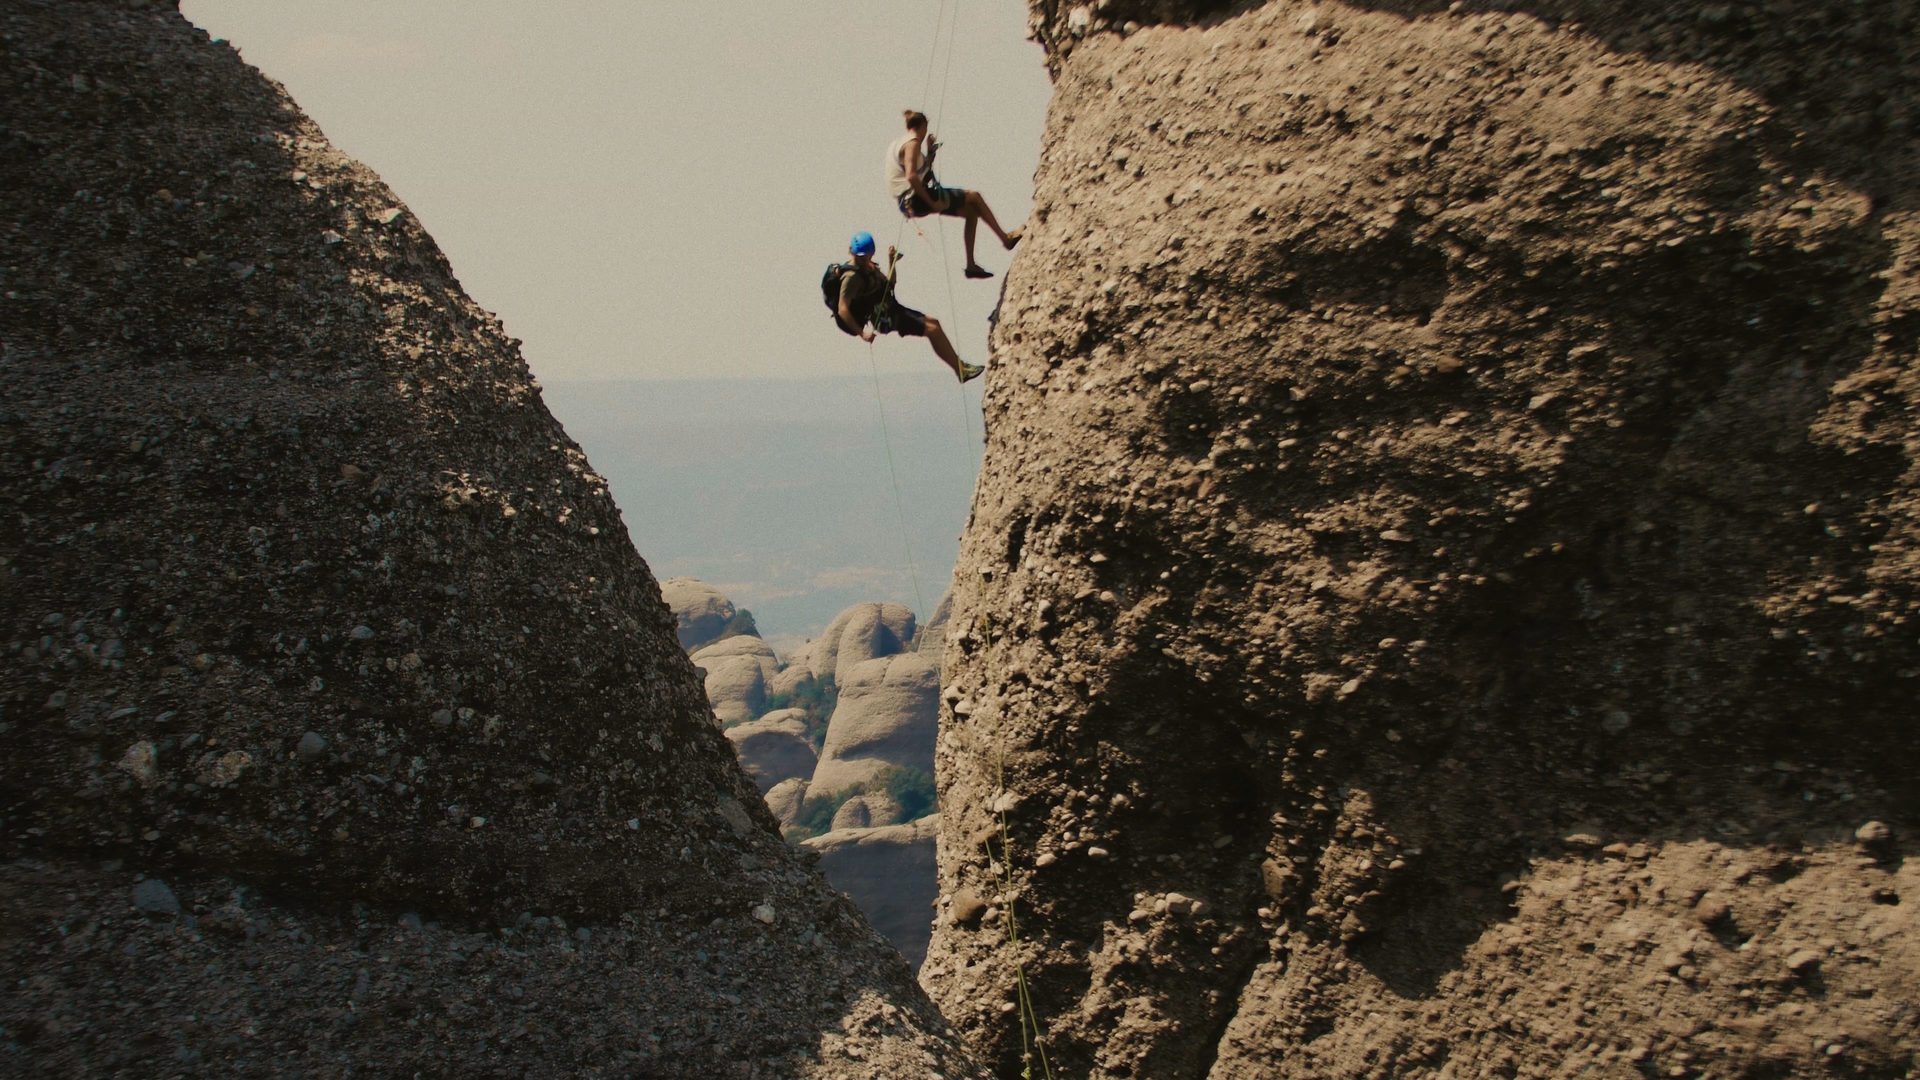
{"points": [[778, 492]]}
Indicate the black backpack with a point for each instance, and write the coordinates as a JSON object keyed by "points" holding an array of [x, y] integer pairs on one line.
{"points": [[830, 284], [830, 292]]}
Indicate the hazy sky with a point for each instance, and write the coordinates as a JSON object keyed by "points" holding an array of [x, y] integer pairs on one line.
{"points": [[647, 190]]}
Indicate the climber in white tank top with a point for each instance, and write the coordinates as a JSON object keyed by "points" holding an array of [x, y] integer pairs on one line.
{"points": [[897, 182], [910, 181]]}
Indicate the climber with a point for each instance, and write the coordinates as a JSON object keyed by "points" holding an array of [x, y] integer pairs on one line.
{"points": [[862, 301], [910, 181]]}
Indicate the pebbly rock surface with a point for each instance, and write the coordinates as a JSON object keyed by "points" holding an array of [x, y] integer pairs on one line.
{"points": [[342, 731], [1442, 596]]}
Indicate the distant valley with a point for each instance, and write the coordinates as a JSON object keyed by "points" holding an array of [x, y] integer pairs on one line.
{"points": [[779, 492]]}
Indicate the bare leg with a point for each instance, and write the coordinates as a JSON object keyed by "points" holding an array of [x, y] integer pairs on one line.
{"points": [[974, 208], [942, 348], [977, 207]]}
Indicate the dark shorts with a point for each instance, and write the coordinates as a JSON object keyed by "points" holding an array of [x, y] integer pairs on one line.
{"points": [[912, 205], [890, 318], [896, 319]]}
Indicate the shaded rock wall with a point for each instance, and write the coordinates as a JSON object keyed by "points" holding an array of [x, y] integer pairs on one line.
{"points": [[1442, 594], [889, 872], [318, 619]]}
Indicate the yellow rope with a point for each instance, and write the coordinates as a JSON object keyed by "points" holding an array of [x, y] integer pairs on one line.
{"points": [[1032, 1037]]}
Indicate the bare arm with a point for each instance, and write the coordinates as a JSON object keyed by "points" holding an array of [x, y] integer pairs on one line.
{"points": [[910, 157]]}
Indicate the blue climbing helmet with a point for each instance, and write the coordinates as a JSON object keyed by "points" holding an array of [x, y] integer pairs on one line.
{"points": [[862, 243]]}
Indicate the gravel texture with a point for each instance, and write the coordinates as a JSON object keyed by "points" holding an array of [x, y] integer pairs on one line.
{"points": [[1440, 599], [342, 731]]}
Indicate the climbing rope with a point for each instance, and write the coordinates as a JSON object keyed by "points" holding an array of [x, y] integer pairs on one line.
{"points": [[946, 262], [953, 37], [1032, 1035], [950, 30], [926, 85], [899, 506]]}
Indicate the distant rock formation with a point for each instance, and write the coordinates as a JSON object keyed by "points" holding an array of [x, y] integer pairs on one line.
{"points": [[702, 611], [738, 670], [785, 800], [880, 732], [869, 811], [774, 748], [889, 873], [932, 637], [342, 730], [887, 717], [856, 635]]}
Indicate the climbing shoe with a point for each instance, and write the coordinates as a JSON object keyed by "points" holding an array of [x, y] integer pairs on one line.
{"points": [[978, 272], [1014, 235], [970, 372]]}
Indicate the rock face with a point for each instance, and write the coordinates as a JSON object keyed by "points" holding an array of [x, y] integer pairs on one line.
{"points": [[774, 748], [327, 644], [1449, 512], [701, 610], [738, 671], [785, 799], [870, 811], [888, 715], [856, 635], [889, 873]]}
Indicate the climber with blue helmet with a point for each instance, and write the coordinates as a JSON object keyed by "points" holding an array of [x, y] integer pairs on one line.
{"points": [[910, 181], [862, 301]]}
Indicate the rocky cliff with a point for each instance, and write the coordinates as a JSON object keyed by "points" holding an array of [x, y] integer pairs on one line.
{"points": [[1441, 599], [342, 731]]}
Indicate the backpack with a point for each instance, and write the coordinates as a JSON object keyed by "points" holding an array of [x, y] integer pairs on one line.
{"points": [[830, 292], [830, 285]]}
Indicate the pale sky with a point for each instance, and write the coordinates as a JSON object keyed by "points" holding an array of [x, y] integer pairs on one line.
{"points": [[645, 190]]}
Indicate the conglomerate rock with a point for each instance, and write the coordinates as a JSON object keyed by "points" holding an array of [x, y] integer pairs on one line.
{"points": [[342, 731], [1441, 598]]}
